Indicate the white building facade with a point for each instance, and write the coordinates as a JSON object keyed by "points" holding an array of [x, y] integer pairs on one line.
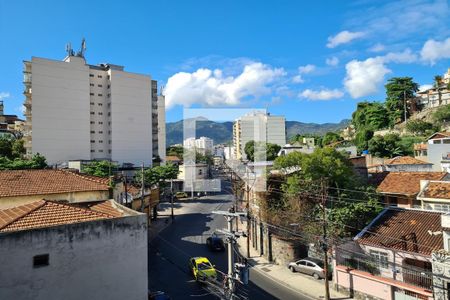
{"points": [[258, 126], [77, 111]]}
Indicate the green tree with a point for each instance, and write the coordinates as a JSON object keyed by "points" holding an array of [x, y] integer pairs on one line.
{"points": [[157, 175], [442, 115], [330, 138], [386, 146], [270, 150], [101, 168], [370, 115], [399, 89], [419, 127], [5, 147], [177, 151], [36, 162], [17, 148], [362, 139]]}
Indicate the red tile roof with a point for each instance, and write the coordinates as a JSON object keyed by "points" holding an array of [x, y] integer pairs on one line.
{"points": [[43, 213], [437, 189], [405, 160], [42, 182], [406, 183], [405, 230], [421, 146]]}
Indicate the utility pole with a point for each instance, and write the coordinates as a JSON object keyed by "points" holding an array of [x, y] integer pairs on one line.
{"points": [[230, 257], [171, 200], [324, 195], [404, 103], [247, 192], [142, 188]]}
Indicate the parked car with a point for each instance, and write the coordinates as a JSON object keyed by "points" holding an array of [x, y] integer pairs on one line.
{"points": [[202, 269], [215, 243], [310, 266], [180, 195]]}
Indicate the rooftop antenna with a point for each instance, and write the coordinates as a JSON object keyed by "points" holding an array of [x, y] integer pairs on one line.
{"points": [[82, 49], [69, 49]]}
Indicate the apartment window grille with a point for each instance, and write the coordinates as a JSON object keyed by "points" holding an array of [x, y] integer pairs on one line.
{"points": [[381, 258], [41, 260]]}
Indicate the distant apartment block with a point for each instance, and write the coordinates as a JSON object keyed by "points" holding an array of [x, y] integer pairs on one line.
{"points": [[435, 151], [258, 126], [78, 111], [436, 96], [202, 144]]}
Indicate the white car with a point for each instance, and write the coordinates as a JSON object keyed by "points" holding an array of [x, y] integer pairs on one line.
{"points": [[310, 266]]}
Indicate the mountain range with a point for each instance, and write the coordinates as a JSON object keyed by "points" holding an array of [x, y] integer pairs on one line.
{"points": [[222, 132]]}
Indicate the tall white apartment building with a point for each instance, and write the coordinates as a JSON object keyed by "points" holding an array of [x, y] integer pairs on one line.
{"points": [[258, 126], [77, 111], [202, 144]]}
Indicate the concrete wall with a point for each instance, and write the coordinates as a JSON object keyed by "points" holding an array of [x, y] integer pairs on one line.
{"points": [[435, 154], [60, 109], [74, 197], [92, 260], [162, 127], [131, 118]]}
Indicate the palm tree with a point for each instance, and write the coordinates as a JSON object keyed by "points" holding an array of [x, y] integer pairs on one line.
{"points": [[438, 86]]}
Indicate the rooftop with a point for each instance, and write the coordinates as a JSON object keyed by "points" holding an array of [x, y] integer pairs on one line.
{"points": [[437, 189], [439, 135], [405, 160], [405, 230], [44, 213], [406, 183], [42, 182]]}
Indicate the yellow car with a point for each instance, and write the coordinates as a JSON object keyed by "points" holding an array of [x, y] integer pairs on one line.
{"points": [[202, 269]]}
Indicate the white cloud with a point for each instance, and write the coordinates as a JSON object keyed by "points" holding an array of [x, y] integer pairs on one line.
{"points": [[343, 37], [210, 88], [298, 79], [364, 77], [306, 69], [424, 87], [332, 61], [4, 95], [324, 94], [377, 48], [433, 51]]}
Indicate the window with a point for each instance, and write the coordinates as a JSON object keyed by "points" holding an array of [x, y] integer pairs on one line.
{"points": [[446, 141], [100, 95], [92, 113], [99, 85], [101, 142], [40, 260], [100, 114], [92, 122], [109, 86], [109, 151], [100, 104], [100, 150], [99, 76], [442, 207], [92, 103], [92, 131], [92, 141], [101, 132], [381, 258], [109, 114], [92, 94], [437, 142], [100, 123], [109, 142], [109, 77], [92, 151], [109, 95], [200, 171], [91, 75], [91, 84]]}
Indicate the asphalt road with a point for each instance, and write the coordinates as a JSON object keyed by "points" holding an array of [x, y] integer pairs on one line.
{"points": [[170, 251]]}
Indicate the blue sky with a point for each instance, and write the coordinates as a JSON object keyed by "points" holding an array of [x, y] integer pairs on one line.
{"points": [[309, 60]]}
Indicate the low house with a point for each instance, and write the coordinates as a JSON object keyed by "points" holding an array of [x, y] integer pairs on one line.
{"points": [[401, 188], [434, 195], [438, 149], [19, 187], [403, 164], [91, 250], [391, 257], [174, 160]]}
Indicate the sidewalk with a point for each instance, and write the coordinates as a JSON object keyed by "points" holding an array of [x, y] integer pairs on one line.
{"points": [[301, 283]]}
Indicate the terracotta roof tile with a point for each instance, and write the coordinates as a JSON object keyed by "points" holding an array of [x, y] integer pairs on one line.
{"points": [[45, 213], [172, 158], [42, 182], [405, 160], [406, 183], [437, 189], [405, 230], [421, 146]]}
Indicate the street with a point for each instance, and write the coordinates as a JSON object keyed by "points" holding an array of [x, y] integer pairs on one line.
{"points": [[170, 250]]}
